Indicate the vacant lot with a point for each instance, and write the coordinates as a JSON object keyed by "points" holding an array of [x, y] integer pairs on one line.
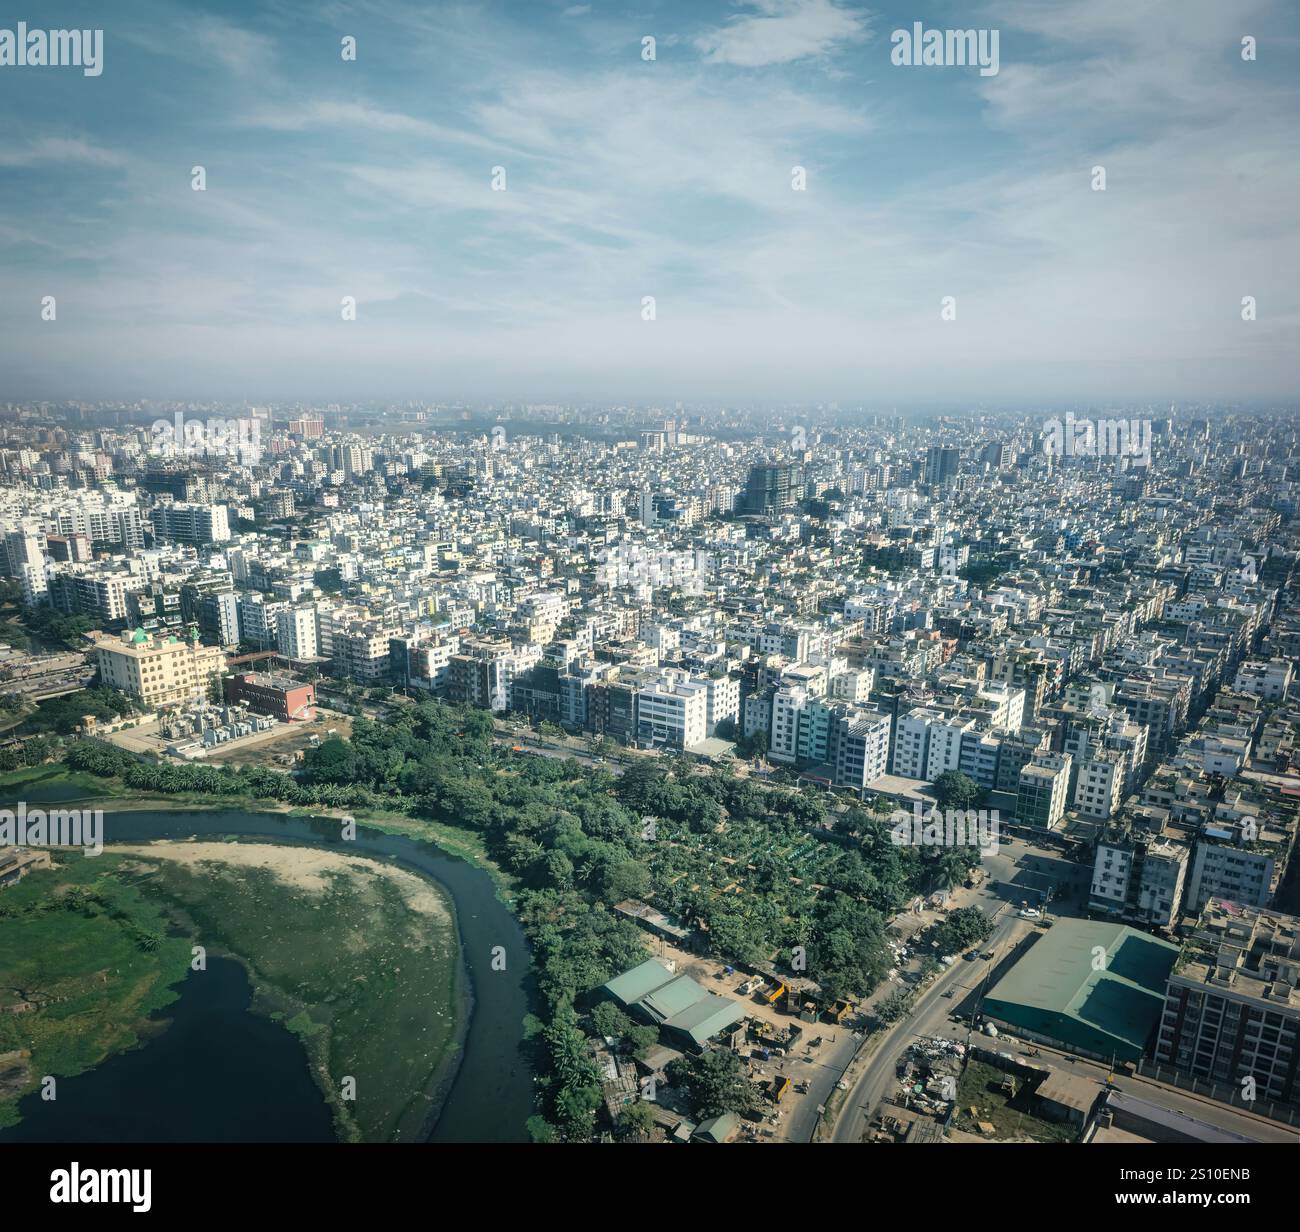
{"points": [[272, 750], [1012, 1116]]}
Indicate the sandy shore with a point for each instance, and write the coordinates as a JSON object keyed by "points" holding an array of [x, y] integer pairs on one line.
{"points": [[305, 868]]}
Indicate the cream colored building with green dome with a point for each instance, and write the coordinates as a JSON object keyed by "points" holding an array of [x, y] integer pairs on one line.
{"points": [[158, 671]]}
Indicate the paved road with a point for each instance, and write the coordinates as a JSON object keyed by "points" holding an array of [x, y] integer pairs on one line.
{"points": [[931, 1011]]}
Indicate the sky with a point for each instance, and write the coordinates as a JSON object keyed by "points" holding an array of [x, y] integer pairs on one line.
{"points": [[671, 178]]}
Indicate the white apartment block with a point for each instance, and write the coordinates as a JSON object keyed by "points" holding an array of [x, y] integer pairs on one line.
{"points": [[1099, 788], [854, 687], [191, 523], [1222, 869], [295, 633], [722, 696], [787, 703], [944, 750], [860, 744], [672, 713], [912, 742], [1268, 679], [1140, 882]]}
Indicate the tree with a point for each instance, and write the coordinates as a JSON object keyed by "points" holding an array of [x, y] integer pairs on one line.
{"points": [[964, 927], [635, 1121], [332, 761], [610, 1021], [894, 1006], [950, 866], [624, 879], [715, 1083], [955, 790]]}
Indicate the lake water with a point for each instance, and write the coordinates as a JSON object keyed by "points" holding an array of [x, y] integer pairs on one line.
{"points": [[159, 1092], [216, 1074]]}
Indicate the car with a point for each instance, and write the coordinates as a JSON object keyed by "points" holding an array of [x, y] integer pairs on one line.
{"points": [[1029, 913], [972, 955], [987, 955]]}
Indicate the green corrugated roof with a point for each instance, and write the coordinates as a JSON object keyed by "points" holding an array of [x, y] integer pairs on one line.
{"points": [[703, 1020], [1057, 990], [673, 998], [718, 1128], [633, 985]]}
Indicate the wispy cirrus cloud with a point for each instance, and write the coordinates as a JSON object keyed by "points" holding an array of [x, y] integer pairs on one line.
{"points": [[783, 31], [669, 178], [46, 150]]}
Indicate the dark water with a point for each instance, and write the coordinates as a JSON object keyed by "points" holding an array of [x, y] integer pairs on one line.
{"points": [[491, 1094], [216, 1074]]}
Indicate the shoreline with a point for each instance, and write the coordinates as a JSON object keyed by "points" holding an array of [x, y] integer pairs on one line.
{"points": [[442, 840], [269, 1000]]}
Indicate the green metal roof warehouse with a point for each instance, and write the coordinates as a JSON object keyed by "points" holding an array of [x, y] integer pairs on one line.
{"points": [[674, 1002], [1057, 990]]}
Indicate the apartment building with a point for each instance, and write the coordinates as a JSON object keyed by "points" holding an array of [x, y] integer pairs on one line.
{"points": [[1232, 1003], [158, 671], [1099, 783], [1043, 790], [191, 523], [1230, 866], [912, 742], [361, 652], [101, 596], [295, 632], [672, 712], [1139, 878], [1269, 679], [859, 745]]}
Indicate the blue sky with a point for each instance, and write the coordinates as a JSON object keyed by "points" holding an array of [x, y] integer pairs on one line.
{"points": [[672, 179]]}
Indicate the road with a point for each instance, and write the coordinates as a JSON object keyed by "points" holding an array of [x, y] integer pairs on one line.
{"points": [[931, 1010]]}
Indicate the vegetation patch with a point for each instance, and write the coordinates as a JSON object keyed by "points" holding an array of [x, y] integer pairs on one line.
{"points": [[357, 957], [84, 960]]}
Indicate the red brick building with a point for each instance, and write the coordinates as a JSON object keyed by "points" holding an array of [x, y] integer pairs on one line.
{"points": [[279, 696]]}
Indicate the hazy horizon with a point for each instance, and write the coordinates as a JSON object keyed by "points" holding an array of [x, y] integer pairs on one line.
{"points": [[671, 178]]}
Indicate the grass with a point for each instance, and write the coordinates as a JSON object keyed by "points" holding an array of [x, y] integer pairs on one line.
{"points": [[370, 987], [86, 970]]}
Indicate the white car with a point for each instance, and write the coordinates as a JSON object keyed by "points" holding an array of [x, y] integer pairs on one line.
{"points": [[1029, 913]]}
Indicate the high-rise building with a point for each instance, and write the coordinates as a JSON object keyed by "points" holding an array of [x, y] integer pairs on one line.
{"points": [[773, 488], [941, 463], [1232, 1005]]}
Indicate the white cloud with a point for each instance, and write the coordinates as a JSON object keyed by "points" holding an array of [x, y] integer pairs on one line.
{"points": [[58, 150], [783, 31]]}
